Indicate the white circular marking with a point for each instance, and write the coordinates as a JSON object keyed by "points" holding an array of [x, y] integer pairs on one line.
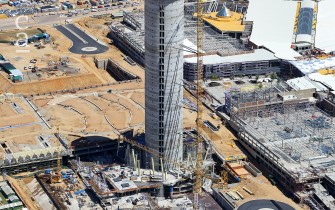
{"points": [[89, 49], [266, 209]]}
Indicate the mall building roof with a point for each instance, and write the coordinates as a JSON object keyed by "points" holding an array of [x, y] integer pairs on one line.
{"points": [[325, 30], [257, 55], [313, 65], [304, 83], [273, 26]]}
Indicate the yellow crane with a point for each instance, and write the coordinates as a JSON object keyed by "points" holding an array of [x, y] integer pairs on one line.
{"points": [[199, 172], [56, 177]]}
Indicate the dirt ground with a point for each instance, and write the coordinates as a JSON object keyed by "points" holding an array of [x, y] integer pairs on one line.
{"points": [[55, 84], [262, 189], [123, 109], [24, 193], [88, 73], [10, 35], [81, 112], [20, 127]]}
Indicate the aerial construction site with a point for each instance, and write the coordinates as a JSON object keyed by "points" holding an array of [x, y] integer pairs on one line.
{"points": [[171, 104]]}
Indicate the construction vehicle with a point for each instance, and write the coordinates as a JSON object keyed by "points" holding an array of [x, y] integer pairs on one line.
{"points": [[231, 144]]}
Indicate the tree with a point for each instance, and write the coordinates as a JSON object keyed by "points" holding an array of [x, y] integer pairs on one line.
{"points": [[257, 77], [273, 76], [260, 85]]}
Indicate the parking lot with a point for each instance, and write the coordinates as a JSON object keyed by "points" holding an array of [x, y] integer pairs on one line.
{"points": [[18, 11]]}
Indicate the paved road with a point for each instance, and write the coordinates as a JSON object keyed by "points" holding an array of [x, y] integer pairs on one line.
{"points": [[44, 19], [82, 43], [265, 204]]}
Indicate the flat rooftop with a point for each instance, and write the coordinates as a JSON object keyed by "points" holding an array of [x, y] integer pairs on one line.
{"points": [[256, 55], [233, 23]]}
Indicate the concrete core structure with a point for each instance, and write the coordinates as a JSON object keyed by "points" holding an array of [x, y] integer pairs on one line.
{"points": [[164, 34]]}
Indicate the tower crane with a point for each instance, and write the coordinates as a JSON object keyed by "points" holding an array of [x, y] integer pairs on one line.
{"points": [[56, 177], [199, 172]]}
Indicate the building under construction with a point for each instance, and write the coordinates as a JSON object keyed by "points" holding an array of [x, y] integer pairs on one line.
{"points": [[128, 36], [286, 133]]}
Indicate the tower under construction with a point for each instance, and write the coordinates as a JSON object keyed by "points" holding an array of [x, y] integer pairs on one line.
{"points": [[164, 34]]}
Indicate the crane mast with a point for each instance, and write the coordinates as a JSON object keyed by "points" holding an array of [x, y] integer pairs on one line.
{"points": [[199, 150]]}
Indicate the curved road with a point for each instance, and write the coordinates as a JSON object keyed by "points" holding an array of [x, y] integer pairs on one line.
{"points": [[81, 42], [265, 204]]}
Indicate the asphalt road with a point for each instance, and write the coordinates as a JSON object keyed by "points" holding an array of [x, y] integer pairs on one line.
{"points": [[44, 19], [81, 42], [265, 204]]}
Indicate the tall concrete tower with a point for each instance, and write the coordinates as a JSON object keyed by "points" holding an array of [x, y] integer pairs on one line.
{"points": [[164, 34]]}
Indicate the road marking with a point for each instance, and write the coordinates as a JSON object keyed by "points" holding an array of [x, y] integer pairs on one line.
{"points": [[74, 33], [23, 51]]}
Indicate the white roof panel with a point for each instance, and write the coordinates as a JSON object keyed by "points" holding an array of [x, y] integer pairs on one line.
{"points": [[187, 43], [257, 55], [304, 83], [327, 80], [273, 26], [16, 72], [313, 65], [325, 30]]}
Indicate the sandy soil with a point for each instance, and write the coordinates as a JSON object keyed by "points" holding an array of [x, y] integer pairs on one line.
{"points": [[139, 98], [19, 132], [10, 117], [64, 119], [88, 74], [119, 109], [24, 193], [96, 121], [55, 84], [38, 193], [137, 111], [262, 189], [41, 102], [116, 114]]}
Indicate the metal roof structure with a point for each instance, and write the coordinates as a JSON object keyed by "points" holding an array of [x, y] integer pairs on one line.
{"points": [[273, 26], [11, 205], [327, 80], [7, 66], [305, 21], [313, 65], [325, 30], [257, 55], [224, 12], [16, 72], [304, 83]]}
